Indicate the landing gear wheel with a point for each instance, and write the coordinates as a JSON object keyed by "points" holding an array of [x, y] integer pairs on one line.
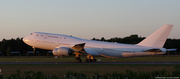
{"points": [[94, 60], [86, 60], [89, 60], [34, 50], [79, 60], [76, 58]]}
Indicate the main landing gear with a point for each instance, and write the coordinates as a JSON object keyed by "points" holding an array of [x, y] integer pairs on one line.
{"points": [[90, 58], [78, 58]]}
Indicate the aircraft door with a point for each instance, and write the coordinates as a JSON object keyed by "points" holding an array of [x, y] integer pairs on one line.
{"points": [[45, 36]]}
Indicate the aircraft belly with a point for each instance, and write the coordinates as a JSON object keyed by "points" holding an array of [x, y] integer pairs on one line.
{"points": [[141, 54], [45, 45], [111, 53], [119, 54], [93, 51]]}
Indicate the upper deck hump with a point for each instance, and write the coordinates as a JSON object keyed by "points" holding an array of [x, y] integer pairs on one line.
{"points": [[58, 35]]}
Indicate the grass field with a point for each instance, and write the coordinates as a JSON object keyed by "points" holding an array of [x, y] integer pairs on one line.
{"points": [[58, 69], [86, 69], [103, 59]]}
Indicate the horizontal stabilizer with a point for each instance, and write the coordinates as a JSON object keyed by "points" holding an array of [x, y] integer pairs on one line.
{"points": [[171, 49]]}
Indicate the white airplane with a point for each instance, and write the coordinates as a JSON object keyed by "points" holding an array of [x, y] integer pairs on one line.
{"points": [[64, 45]]}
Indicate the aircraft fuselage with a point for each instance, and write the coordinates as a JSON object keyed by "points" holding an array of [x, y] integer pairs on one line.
{"points": [[50, 41]]}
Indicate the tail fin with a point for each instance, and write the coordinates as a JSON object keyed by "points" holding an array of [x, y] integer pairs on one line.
{"points": [[158, 38]]}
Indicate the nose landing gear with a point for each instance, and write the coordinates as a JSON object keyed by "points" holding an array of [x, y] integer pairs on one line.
{"points": [[34, 50]]}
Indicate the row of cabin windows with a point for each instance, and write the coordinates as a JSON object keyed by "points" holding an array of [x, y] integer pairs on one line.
{"points": [[50, 36]]}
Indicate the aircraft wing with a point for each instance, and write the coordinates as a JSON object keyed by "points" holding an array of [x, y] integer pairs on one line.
{"points": [[79, 47]]}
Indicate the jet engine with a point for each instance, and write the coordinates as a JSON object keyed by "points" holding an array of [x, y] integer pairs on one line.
{"points": [[62, 51]]}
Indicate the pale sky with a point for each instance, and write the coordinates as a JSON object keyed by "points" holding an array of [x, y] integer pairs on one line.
{"points": [[88, 18]]}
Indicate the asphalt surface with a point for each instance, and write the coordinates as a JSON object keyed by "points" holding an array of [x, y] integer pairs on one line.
{"points": [[129, 62]]}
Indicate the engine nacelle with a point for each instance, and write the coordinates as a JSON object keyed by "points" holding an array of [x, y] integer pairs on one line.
{"points": [[62, 51]]}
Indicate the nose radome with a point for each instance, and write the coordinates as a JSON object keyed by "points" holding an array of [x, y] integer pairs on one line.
{"points": [[26, 39]]}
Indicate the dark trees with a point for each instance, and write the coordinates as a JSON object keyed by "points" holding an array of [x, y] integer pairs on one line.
{"points": [[13, 45]]}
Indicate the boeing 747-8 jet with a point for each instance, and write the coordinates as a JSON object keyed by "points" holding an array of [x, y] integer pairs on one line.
{"points": [[64, 45]]}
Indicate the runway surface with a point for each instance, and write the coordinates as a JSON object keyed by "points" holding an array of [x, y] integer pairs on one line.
{"points": [[129, 62]]}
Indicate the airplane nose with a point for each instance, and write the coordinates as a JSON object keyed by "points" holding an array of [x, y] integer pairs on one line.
{"points": [[29, 40], [25, 39]]}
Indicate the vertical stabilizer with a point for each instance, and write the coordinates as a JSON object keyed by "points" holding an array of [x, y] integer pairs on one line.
{"points": [[158, 38]]}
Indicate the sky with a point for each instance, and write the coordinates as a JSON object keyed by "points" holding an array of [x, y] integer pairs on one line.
{"points": [[88, 18]]}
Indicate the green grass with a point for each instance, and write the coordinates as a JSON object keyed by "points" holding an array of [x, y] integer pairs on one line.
{"points": [[96, 73], [87, 65], [57, 69], [103, 59]]}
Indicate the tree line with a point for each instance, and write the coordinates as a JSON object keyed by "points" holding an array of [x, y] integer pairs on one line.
{"points": [[8, 45]]}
